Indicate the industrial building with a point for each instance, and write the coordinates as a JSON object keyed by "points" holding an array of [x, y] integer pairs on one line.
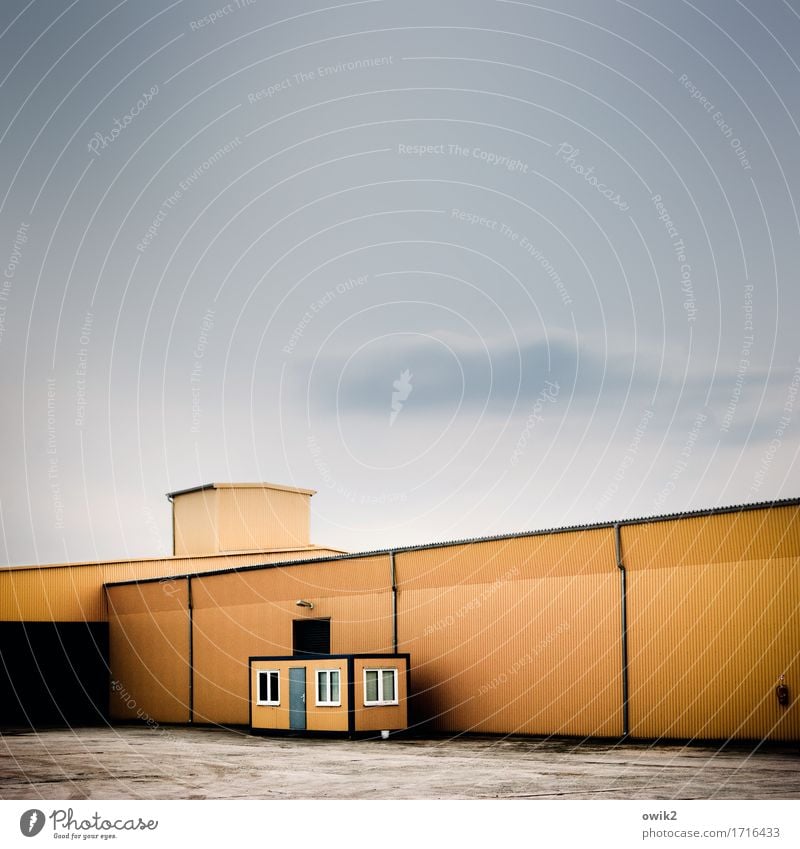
{"points": [[679, 627]]}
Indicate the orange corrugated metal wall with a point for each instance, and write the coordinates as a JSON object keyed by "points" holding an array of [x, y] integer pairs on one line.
{"points": [[714, 615], [517, 635], [149, 651], [523, 635], [75, 593], [195, 523], [259, 518], [514, 636]]}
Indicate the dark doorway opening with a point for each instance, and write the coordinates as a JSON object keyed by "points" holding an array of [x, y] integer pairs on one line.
{"points": [[311, 636], [53, 673]]}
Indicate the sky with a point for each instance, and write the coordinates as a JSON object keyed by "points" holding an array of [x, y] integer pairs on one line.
{"points": [[464, 268]]}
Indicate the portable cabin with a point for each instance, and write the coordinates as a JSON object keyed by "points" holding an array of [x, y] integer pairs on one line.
{"points": [[349, 694]]}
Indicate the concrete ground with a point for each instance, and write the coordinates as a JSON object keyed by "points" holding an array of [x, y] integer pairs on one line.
{"points": [[201, 763]]}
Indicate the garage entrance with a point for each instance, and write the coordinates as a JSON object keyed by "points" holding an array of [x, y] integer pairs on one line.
{"points": [[53, 673]]}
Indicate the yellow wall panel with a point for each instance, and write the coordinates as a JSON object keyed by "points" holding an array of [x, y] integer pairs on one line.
{"points": [[719, 538], [262, 518], [74, 593], [546, 555], [149, 652], [537, 656], [195, 523], [707, 644]]}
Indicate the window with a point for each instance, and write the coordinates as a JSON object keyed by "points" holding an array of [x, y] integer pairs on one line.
{"points": [[269, 688], [328, 687], [380, 687]]}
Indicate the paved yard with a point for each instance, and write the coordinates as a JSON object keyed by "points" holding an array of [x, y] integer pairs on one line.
{"points": [[184, 763]]}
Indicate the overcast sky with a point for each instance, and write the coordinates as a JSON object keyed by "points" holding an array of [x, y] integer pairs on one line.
{"points": [[462, 267]]}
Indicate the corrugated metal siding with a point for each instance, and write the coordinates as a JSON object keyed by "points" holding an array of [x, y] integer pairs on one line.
{"points": [[337, 577], [568, 553], [240, 615], [528, 656], [195, 522], [725, 537], [149, 652], [74, 593], [262, 518], [515, 636], [224, 639], [52, 595], [707, 644]]}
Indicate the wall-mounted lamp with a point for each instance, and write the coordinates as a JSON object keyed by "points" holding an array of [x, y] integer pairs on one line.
{"points": [[303, 603]]}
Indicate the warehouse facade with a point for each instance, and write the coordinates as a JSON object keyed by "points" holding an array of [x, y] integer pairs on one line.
{"points": [[54, 645], [674, 627]]}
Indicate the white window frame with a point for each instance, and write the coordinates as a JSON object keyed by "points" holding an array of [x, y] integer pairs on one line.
{"points": [[271, 702], [327, 672], [381, 700]]}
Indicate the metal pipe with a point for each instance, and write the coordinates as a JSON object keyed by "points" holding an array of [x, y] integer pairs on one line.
{"points": [[191, 646], [394, 601], [624, 590]]}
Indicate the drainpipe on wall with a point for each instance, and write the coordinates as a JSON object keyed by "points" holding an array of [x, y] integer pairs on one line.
{"points": [[191, 646], [624, 588], [394, 601]]}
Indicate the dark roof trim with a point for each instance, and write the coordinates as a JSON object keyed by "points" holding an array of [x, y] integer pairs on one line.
{"points": [[667, 517], [299, 658], [249, 485], [200, 488]]}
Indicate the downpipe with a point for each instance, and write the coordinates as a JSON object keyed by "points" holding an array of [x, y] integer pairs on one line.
{"points": [[623, 575], [394, 601]]}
